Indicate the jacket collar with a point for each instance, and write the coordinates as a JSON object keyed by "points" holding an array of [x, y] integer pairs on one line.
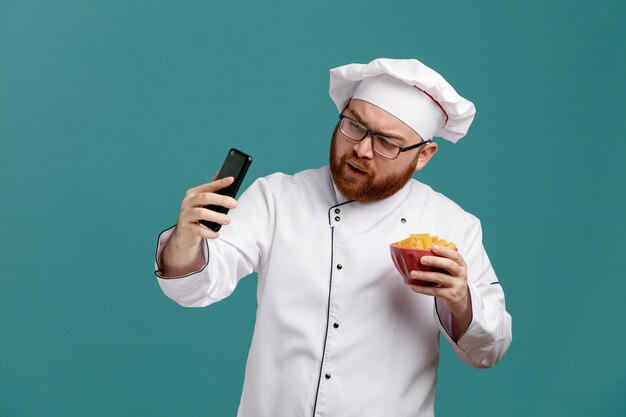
{"points": [[356, 210]]}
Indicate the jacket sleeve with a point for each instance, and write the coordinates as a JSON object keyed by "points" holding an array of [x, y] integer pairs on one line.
{"points": [[240, 250], [488, 335]]}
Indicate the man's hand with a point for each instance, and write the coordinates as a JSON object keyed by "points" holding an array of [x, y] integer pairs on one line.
{"points": [[450, 287], [182, 253], [189, 231]]}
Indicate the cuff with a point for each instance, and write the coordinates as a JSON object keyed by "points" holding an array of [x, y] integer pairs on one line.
{"points": [[445, 316], [162, 240]]}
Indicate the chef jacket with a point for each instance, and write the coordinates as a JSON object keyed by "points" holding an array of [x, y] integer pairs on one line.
{"points": [[337, 331]]}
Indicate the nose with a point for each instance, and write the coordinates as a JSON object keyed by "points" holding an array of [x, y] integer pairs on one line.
{"points": [[364, 148]]}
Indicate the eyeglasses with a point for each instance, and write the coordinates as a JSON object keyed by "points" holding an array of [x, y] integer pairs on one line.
{"points": [[383, 146]]}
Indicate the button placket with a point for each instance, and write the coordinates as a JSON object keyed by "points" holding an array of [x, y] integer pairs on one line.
{"points": [[337, 268], [337, 275], [332, 313]]}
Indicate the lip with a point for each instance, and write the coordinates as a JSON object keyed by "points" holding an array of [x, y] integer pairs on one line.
{"points": [[357, 168]]}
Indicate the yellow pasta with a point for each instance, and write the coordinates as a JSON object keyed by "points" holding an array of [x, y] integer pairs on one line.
{"points": [[424, 241]]}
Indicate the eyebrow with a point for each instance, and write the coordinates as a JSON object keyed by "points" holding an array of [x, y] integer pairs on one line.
{"points": [[387, 135]]}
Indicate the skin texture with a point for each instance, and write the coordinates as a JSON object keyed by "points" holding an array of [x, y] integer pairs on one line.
{"points": [[369, 186], [382, 177], [375, 178]]}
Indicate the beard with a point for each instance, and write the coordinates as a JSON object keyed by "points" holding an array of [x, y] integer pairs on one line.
{"points": [[370, 186]]}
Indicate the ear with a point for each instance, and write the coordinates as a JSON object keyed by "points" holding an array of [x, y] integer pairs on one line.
{"points": [[427, 152]]}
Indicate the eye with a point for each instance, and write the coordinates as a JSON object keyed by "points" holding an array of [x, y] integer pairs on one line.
{"points": [[353, 129], [386, 144], [354, 126]]}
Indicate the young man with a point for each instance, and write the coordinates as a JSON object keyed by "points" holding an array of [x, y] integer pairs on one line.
{"points": [[338, 333]]}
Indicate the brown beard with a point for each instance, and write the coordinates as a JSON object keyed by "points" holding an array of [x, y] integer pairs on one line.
{"points": [[370, 188]]}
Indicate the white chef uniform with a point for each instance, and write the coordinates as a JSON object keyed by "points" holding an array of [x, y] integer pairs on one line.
{"points": [[337, 331]]}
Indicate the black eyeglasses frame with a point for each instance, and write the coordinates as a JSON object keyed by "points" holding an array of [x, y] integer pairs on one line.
{"points": [[373, 135]]}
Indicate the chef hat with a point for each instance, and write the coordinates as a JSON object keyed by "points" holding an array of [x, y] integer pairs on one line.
{"points": [[409, 90]]}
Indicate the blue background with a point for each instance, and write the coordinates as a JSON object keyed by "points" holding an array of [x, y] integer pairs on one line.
{"points": [[111, 110]]}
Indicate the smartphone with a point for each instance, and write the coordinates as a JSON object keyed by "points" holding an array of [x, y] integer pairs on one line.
{"points": [[235, 165]]}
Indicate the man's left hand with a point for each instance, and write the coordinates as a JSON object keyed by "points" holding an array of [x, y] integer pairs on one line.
{"points": [[451, 288]]}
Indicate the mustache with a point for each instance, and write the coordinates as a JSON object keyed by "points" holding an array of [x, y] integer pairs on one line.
{"points": [[360, 163]]}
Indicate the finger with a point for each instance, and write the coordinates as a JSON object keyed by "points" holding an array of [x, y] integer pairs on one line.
{"points": [[447, 264], [200, 213], [450, 254], [195, 230], [211, 187], [434, 291], [215, 176], [205, 199], [442, 280]]}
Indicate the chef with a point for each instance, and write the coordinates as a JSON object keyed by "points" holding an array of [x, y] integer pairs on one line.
{"points": [[338, 332]]}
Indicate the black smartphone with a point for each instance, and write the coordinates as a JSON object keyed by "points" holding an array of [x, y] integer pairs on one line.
{"points": [[235, 165]]}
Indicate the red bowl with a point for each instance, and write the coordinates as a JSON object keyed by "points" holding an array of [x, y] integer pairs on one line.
{"points": [[407, 260]]}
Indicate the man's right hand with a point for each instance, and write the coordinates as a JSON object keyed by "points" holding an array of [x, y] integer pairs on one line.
{"points": [[182, 253]]}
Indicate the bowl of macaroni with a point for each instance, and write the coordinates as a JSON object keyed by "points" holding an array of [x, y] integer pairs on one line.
{"points": [[407, 255]]}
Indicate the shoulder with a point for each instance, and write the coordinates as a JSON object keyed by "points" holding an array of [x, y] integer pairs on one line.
{"points": [[439, 215], [310, 178], [302, 178], [310, 182], [438, 203]]}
